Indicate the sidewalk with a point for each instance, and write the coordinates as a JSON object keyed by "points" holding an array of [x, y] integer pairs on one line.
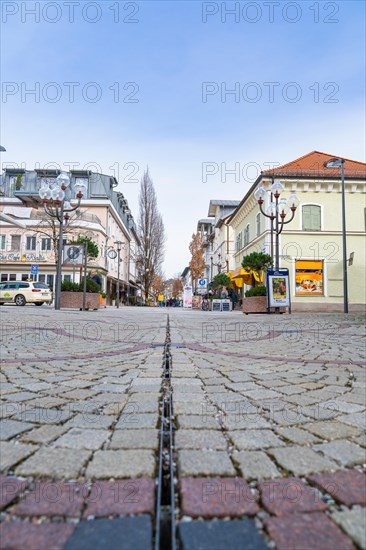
{"points": [[269, 418]]}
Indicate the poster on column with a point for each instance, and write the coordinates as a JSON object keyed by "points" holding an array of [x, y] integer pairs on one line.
{"points": [[187, 297], [278, 288]]}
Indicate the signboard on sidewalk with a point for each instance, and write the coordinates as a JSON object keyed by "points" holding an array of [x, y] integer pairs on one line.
{"points": [[73, 254], [187, 296], [278, 288]]}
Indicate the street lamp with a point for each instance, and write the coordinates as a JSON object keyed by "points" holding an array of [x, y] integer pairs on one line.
{"points": [[60, 195], [119, 248], [339, 163], [277, 211], [219, 264]]}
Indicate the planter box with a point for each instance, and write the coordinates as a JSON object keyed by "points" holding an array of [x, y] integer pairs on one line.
{"points": [[258, 304], [74, 300]]}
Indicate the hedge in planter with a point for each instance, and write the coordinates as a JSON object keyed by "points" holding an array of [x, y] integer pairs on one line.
{"points": [[72, 294]]}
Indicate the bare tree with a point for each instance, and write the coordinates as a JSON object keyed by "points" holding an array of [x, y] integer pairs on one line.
{"points": [[177, 287], [151, 234], [197, 264]]}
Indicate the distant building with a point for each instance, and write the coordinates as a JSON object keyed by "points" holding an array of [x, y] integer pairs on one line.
{"points": [[103, 216], [312, 242]]}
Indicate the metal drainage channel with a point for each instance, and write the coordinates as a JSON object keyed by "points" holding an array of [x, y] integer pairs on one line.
{"points": [[165, 508]]}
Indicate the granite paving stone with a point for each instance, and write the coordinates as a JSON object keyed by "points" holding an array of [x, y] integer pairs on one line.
{"points": [[346, 486], [297, 435], [302, 531], [10, 428], [217, 497], [121, 463], [289, 495], [301, 460], [219, 534], [353, 522], [122, 497], [204, 463], [135, 439], [14, 452], [249, 440], [55, 462], [255, 465], [81, 438], [42, 415], [89, 420], [343, 451], [331, 430], [197, 422], [200, 439], [245, 422], [107, 534], [131, 419]]}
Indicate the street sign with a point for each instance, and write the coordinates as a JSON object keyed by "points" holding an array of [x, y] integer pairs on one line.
{"points": [[34, 269], [202, 283], [73, 254]]}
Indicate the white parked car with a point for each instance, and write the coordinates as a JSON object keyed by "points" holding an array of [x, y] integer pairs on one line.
{"points": [[24, 292]]}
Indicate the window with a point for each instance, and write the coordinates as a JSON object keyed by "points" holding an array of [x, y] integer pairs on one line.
{"points": [[2, 242], [41, 278], [311, 217], [39, 285], [23, 285], [46, 244], [4, 277], [239, 241], [246, 235], [67, 277], [12, 277], [31, 243], [258, 224], [15, 243], [25, 277]]}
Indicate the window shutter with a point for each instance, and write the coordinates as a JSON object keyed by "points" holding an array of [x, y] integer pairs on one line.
{"points": [[315, 218], [306, 218]]}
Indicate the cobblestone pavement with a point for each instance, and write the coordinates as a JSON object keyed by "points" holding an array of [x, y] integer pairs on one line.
{"points": [[269, 418]]}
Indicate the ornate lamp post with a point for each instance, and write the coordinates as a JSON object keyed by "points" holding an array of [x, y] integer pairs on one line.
{"points": [[59, 196], [219, 264], [339, 163], [277, 211]]}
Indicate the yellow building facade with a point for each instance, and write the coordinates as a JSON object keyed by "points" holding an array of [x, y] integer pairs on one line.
{"points": [[310, 246]]}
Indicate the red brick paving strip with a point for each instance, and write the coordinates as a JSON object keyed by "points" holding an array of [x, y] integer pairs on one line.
{"points": [[217, 497], [305, 531], [122, 497], [50, 498], [346, 486], [10, 488], [289, 495], [28, 536]]}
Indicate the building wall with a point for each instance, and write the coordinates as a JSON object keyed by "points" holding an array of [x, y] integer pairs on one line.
{"points": [[324, 245]]}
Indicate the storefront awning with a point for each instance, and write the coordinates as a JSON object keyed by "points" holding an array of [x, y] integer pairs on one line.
{"points": [[241, 276]]}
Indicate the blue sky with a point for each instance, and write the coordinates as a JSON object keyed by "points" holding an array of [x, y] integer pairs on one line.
{"points": [[168, 53]]}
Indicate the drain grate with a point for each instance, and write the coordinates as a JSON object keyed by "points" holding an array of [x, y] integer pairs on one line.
{"points": [[165, 503]]}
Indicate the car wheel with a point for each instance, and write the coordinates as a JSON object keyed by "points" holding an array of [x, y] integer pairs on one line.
{"points": [[20, 300], [38, 303]]}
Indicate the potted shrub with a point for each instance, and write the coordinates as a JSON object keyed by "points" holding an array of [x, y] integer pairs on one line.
{"points": [[72, 294], [256, 297], [113, 298], [104, 299]]}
